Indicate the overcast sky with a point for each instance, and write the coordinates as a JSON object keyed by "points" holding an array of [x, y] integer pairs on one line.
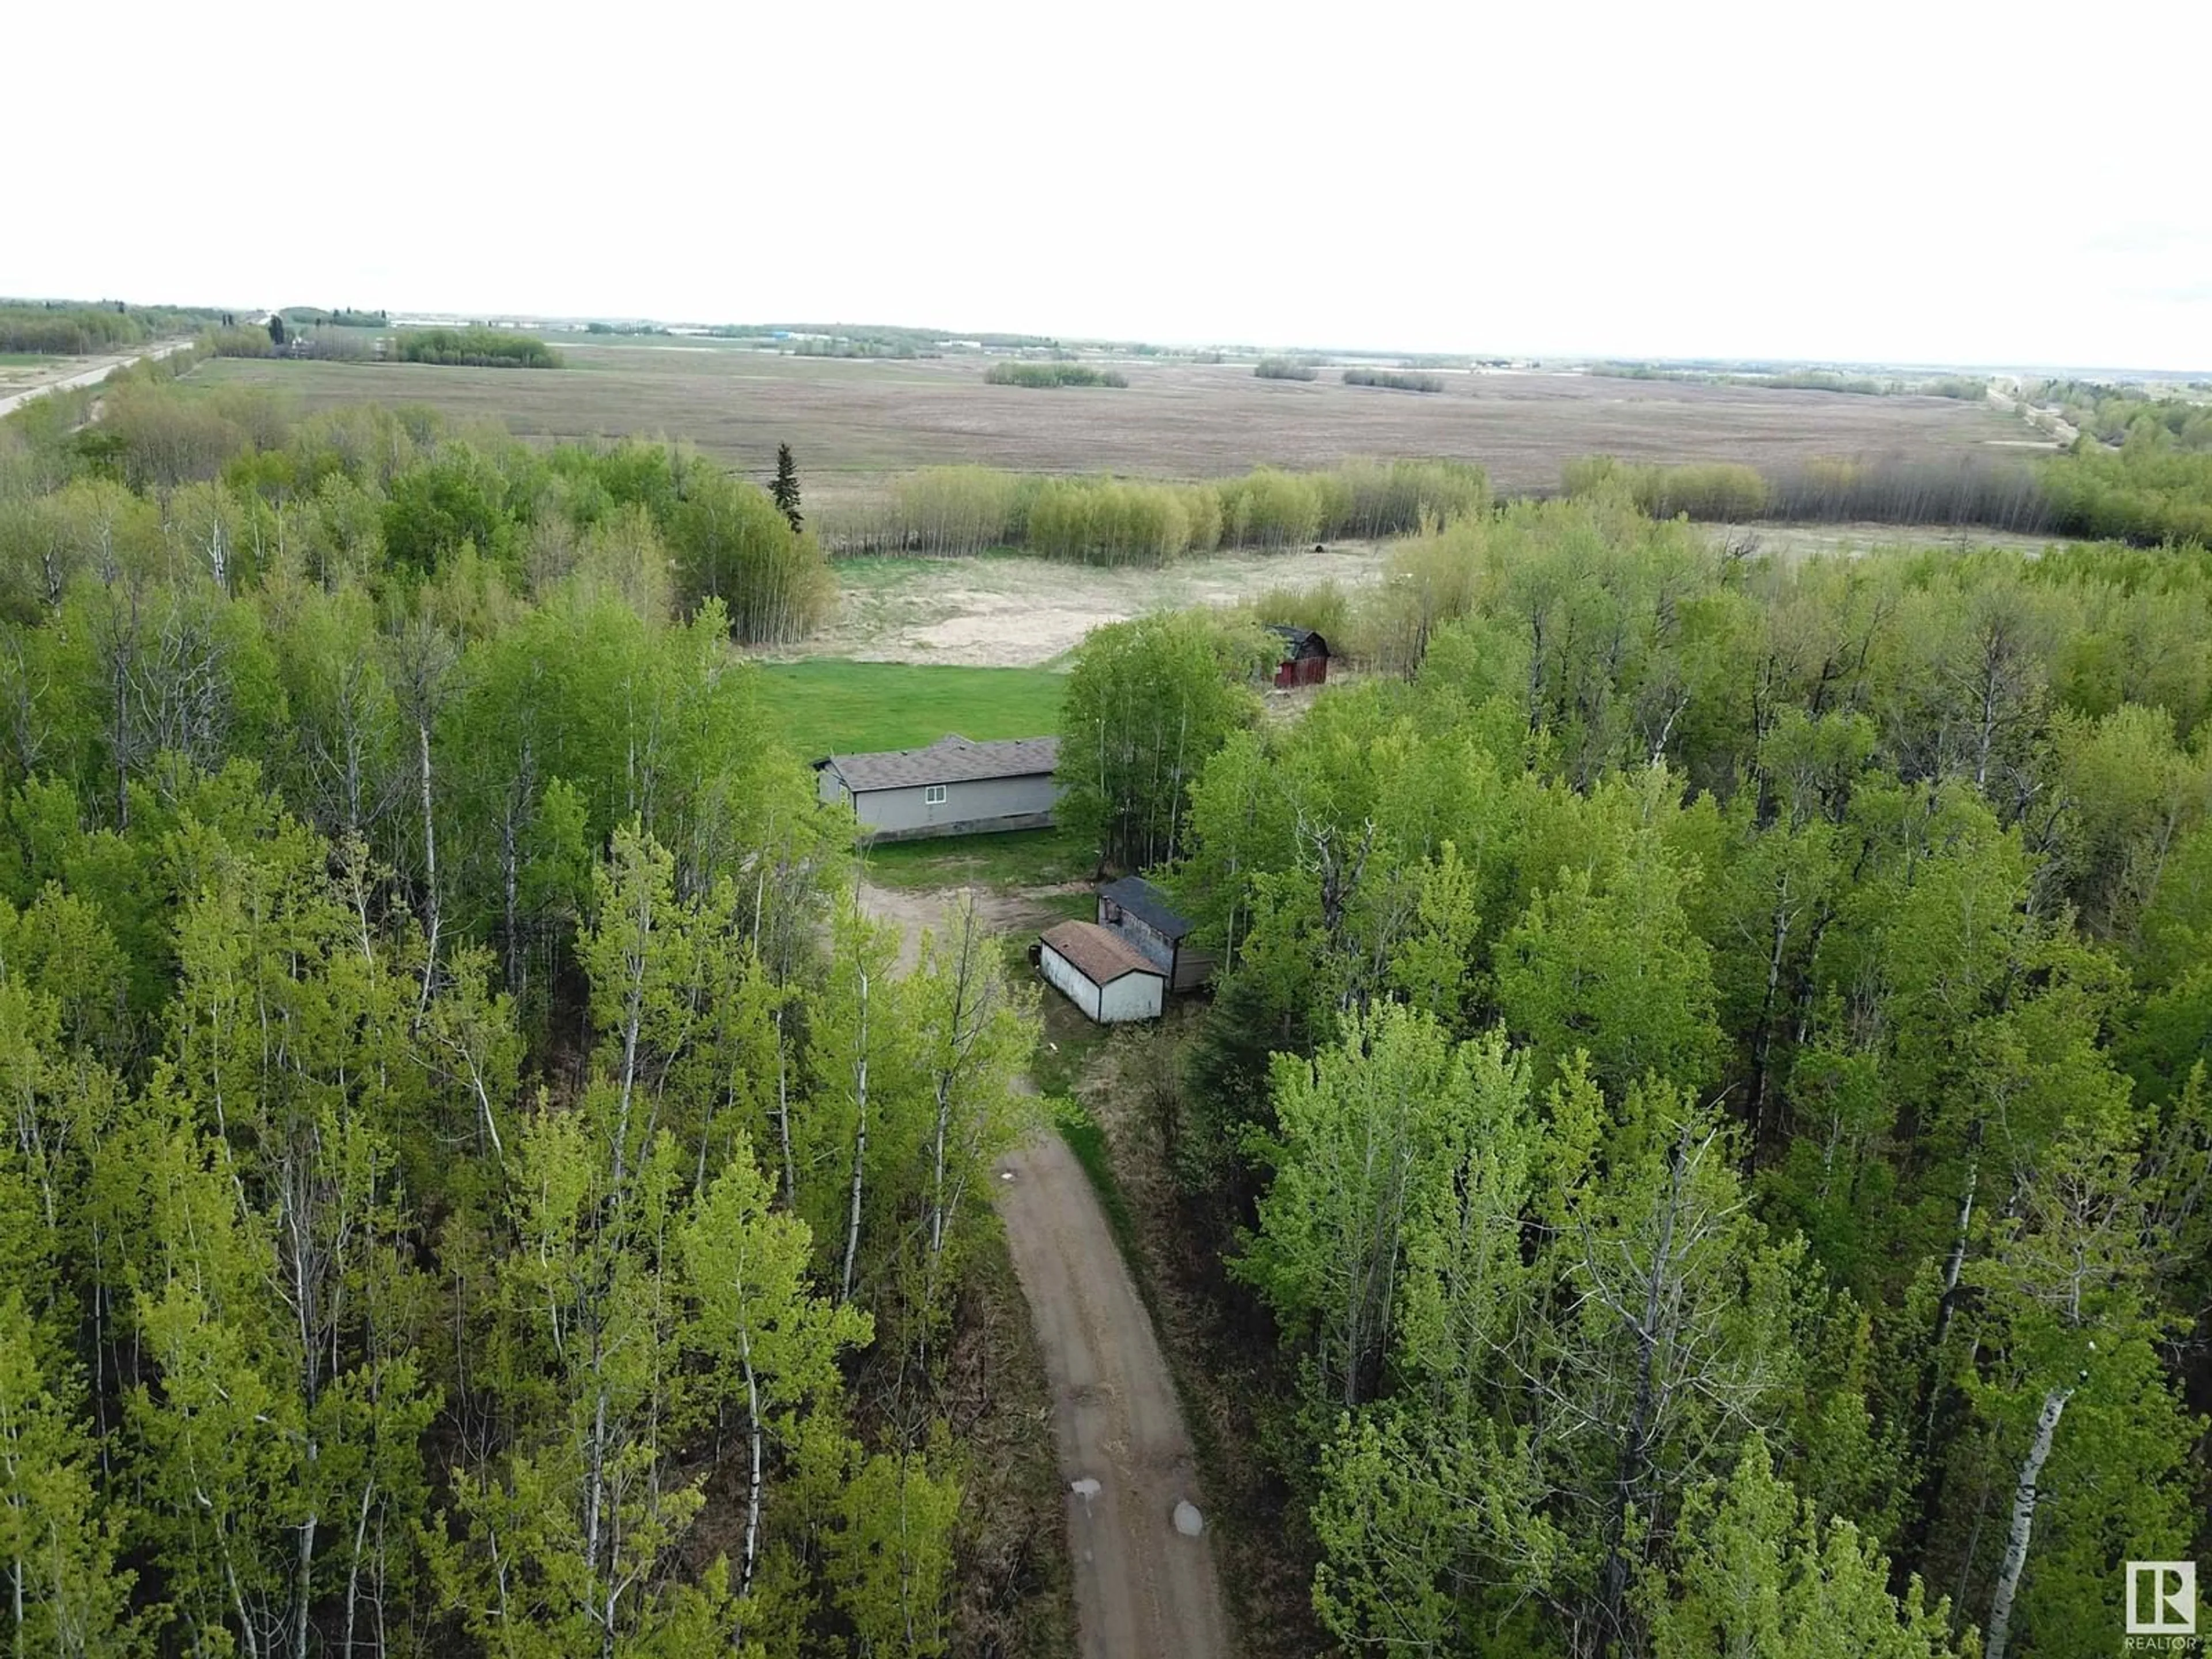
{"points": [[1933, 181]]}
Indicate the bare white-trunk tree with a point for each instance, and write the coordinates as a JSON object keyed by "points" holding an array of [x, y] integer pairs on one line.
{"points": [[2023, 1520]]}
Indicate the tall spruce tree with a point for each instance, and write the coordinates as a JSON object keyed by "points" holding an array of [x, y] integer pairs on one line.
{"points": [[784, 489]]}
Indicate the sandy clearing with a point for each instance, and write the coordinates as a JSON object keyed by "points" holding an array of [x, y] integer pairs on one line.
{"points": [[1145, 1587], [1796, 540], [1005, 612]]}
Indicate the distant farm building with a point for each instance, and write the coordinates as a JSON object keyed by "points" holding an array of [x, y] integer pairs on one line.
{"points": [[1138, 914], [953, 787], [1305, 657], [1100, 973]]}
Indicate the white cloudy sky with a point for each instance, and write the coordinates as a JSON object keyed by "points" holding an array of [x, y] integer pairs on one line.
{"points": [[1942, 181]]}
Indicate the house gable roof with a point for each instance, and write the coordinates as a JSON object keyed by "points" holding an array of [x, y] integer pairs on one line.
{"points": [[950, 759], [1149, 905], [1096, 953]]}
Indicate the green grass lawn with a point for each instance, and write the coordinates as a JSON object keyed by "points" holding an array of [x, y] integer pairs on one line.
{"points": [[831, 706]]}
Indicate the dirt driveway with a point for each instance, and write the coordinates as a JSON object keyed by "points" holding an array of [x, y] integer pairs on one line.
{"points": [[1144, 1588]]}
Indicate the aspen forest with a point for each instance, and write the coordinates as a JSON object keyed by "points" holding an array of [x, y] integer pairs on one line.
{"points": [[1698, 1145], [474, 1182], [1707, 1089], [1209, 943]]}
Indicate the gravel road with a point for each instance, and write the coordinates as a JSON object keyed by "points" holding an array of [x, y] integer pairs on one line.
{"points": [[1143, 1590]]}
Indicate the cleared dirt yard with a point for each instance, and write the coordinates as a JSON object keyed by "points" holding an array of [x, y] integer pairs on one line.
{"points": [[1007, 611], [852, 422]]}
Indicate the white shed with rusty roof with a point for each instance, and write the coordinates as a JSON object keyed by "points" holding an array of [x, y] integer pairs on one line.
{"points": [[955, 787], [1101, 973]]}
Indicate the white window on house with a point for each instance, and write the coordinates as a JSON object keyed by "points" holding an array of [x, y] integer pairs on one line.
{"points": [[933, 795]]}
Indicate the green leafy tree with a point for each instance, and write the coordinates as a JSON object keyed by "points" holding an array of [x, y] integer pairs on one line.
{"points": [[732, 542], [1608, 964], [1667, 1342], [893, 1556], [774, 1345], [1400, 1163], [858, 1143], [977, 1030], [69, 1595], [1761, 1573], [2067, 1389], [1147, 702], [566, 1541]]}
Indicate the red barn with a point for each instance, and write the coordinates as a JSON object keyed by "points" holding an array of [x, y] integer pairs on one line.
{"points": [[1305, 657]]}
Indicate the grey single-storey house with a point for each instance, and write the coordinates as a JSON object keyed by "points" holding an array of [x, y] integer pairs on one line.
{"points": [[955, 787], [1139, 914], [1100, 974]]}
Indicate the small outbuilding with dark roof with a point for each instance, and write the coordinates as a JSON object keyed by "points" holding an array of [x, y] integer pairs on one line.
{"points": [[954, 786], [1141, 913], [1305, 656], [1100, 973]]}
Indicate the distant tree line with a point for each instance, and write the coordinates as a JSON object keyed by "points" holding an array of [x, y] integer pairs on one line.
{"points": [[1286, 368], [942, 511], [473, 347], [84, 331], [344, 317], [890, 340], [1965, 387], [353, 338], [1052, 375], [1394, 379], [77, 332], [853, 349], [2147, 493], [327, 343], [1813, 380]]}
